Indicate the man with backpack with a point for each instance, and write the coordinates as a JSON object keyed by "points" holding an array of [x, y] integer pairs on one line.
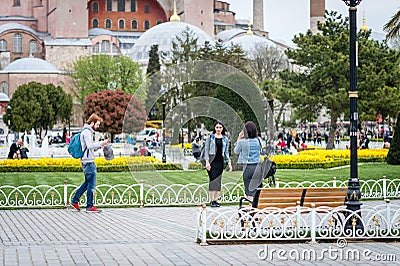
{"points": [[87, 161]]}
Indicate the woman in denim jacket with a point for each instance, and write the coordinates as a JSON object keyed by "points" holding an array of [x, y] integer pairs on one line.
{"points": [[248, 146], [216, 152]]}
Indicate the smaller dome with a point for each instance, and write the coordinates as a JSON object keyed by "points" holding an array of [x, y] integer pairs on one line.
{"points": [[227, 35], [249, 42], [30, 65], [4, 97], [99, 31]]}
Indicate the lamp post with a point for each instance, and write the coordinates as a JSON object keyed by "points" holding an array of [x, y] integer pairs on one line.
{"points": [[265, 100], [163, 91], [353, 193]]}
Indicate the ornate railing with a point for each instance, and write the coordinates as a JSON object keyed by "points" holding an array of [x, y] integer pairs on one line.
{"points": [[142, 194], [299, 223]]}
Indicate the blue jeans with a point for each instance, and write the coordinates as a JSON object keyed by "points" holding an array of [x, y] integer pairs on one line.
{"points": [[89, 170]]}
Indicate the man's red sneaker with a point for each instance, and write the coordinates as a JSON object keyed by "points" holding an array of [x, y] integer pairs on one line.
{"points": [[75, 206], [93, 209]]}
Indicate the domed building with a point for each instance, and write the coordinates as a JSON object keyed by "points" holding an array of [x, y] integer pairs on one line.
{"points": [[163, 35], [25, 70], [250, 42]]}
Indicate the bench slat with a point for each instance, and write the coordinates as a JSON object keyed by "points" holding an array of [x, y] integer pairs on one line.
{"points": [[289, 197]]}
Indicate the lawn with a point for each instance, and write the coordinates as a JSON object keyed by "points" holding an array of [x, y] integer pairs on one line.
{"points": [[366, 171]]}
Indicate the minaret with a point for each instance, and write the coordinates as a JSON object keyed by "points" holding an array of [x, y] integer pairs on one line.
{"points": [[258, 15], [317, 12]]}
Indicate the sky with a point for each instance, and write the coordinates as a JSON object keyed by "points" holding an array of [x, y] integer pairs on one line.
{"points": [[285, 18]]}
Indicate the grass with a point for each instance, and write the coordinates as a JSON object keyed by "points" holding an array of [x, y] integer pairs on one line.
{"points": [[366, 171]]}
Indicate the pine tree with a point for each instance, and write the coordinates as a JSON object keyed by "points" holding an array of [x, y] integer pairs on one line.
{"points": [[154, 61], [393, 156]]}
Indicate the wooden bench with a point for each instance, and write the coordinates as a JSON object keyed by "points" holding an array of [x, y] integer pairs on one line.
{"points": [[329, 197]]}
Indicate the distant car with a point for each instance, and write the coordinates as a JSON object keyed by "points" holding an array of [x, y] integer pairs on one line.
{"points": [[147, 133]]}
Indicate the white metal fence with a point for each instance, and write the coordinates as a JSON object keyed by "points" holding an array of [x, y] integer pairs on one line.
{"points": [[300, 223], [142, 194]]}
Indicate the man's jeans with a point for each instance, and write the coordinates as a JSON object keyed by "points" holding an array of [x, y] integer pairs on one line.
{"points": [[89, 169]]}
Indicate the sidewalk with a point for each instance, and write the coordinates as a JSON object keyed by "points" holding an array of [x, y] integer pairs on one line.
{"points": [[150, 236]]}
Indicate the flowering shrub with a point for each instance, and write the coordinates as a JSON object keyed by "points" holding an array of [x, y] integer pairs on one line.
{"points": [[328, 155]]}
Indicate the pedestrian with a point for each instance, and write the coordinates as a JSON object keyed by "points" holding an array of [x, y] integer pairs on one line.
{"points": [[216, 151], [15, 150], [196, 149], [248, 146], [87, 161], [24, 152]]}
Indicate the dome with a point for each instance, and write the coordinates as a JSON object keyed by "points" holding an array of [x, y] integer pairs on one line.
{"points": [[99, 31], [163, 35], [4, 97], [249, 42], [227, 35], [30, 65]]}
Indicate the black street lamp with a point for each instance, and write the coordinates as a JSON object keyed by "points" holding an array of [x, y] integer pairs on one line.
{"points": [[163, 91], [353, 192]]}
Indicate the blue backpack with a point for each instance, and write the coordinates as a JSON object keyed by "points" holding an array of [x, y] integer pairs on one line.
{"points": [[75, 147]]}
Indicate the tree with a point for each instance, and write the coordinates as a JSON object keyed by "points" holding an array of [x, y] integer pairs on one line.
{"points": [[154, 61], [112, 106], [38, 106], [104, 72], [393, 26], [154, 84], [324, 77], [266, 62], [393, 156]]}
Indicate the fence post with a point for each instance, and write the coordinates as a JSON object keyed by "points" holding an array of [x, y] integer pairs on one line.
{"points": [[204, 226], [313, 223], [384, 192], [388, 218], [277, 182], [141, 184], [334, 181], [65, 194]]}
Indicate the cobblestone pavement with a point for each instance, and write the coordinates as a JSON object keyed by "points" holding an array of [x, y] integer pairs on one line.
{"points": [[150, 236]]}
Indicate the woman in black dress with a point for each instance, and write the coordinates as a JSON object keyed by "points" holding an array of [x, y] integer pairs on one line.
{"points": [[216, 152]]}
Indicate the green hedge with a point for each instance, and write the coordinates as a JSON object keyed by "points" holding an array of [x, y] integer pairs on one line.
{"points": [[100, 168]]}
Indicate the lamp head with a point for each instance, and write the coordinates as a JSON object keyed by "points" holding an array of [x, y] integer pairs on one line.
{"points": [[352, 2]]}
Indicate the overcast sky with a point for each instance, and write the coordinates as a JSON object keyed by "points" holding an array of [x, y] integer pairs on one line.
{"points": [[285, 18]]}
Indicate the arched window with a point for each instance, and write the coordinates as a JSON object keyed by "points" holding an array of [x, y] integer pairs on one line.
{"points": [[146, 8], [96, 48], [32, 47], [146, 24], [114, 49], [95, 7], [105, 46], [133, 5], [121, 5], [95, 23], [109, 5], [4, 87], [121, 24], [159, 21], [134, 24], [108, 23], [17, 43], [3, 45]]}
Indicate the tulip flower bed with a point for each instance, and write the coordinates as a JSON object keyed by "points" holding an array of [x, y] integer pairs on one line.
{"points": [[118, 164], [304, 160]]}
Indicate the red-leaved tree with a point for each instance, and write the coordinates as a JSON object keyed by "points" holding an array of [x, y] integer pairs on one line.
{"points": [[112, 106]]}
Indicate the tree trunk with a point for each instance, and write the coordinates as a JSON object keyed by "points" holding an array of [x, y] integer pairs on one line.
{"points": [[332, 131]]}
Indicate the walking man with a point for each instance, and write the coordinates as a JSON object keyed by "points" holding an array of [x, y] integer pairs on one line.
{"points": [[87, 161]]}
